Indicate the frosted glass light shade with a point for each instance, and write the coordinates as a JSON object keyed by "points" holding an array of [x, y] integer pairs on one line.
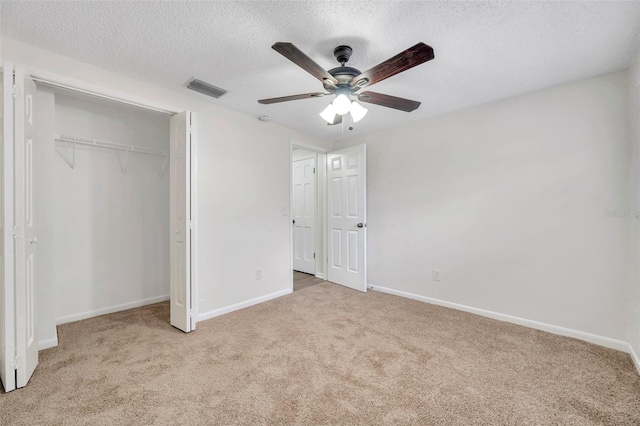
{"points": [[342, 104], [329, 114], [357, 111]]}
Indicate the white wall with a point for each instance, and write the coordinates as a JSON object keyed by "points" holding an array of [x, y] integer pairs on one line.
{"points": [[243, 180], [508, 200], [103, 234], [44, 114]]}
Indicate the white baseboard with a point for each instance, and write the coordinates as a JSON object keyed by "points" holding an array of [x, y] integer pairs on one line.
{"points": [[634, 357], [321, 276], [216, 312], [48, 343], [607, 342], [111, 309]]}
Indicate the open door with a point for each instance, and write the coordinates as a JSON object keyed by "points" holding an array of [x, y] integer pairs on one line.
{"points": [[19, 325], [347, 217], [7, 305], [304, 212], [181, 294]]}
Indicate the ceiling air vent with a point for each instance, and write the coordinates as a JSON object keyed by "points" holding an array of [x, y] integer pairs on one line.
{"points": [[205, 88]]}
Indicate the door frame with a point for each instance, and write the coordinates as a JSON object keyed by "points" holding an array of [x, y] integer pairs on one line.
{"points": [[321, 205], [51, 79], [9, 320]]}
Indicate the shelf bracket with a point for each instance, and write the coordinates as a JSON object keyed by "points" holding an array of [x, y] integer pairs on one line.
{"points": [[164, 165], [122, 160], [71, 162], [124, 163]]}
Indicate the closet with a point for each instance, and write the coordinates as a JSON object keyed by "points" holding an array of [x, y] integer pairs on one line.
{"points": [[97, 209], [101, 174]]}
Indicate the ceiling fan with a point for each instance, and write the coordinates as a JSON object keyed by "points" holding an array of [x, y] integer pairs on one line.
{"points": [[345, 82]]}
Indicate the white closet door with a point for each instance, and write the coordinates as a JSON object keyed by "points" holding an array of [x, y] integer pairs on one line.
{"points": [[180, 220], [26, 237], [7, 305], [346, 218], [304, 208]]}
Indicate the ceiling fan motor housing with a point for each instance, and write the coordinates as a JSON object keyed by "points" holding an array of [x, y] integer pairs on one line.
{"points": [[344, 75], [342, 54]]}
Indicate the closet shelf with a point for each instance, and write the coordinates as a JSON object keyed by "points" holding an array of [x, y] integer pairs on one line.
{"points": [[111, 145]]}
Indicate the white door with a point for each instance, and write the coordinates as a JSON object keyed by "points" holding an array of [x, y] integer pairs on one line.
{"points": [[347, 217], [7, 305], [26, 236], [304, 207], [180, 223]]}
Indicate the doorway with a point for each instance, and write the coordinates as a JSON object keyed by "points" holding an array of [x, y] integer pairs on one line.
{"points": [[102, 206], [338, 223], [308, 207], [304, 211]]}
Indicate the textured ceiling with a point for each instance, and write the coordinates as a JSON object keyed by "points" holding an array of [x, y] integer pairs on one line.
{"points": [[484, 50]]}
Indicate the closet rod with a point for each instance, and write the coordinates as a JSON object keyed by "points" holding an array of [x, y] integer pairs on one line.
{"points": [[107, 144], [98, 95]]}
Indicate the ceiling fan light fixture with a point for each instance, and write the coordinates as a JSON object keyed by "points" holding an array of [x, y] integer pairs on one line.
{"points": [[357, 111], [341, 104], [329, 114]]}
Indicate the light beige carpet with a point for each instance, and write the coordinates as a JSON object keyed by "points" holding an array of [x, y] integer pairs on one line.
{"points": [[323, 355]]}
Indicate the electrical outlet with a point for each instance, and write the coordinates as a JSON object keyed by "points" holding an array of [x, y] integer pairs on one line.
{"points": [[258, 274], [436, 275]]}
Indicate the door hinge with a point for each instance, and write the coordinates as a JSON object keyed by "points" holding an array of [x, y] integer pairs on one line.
{"points": [[15, 232], [314, 170], [190, 225], [17, 362], [16, 91], [314, 255]]}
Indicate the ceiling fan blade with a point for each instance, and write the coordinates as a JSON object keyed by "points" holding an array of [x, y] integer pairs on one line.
{"points": [[336, 120], [292, 98], [416, 55], [297, 56], [388, 101]]}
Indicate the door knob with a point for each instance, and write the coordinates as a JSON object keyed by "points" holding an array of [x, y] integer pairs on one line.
{"points": [[360, 225], [294, 221]]}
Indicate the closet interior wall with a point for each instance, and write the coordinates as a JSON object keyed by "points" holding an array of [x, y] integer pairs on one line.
{"points": [[103, 233]]}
